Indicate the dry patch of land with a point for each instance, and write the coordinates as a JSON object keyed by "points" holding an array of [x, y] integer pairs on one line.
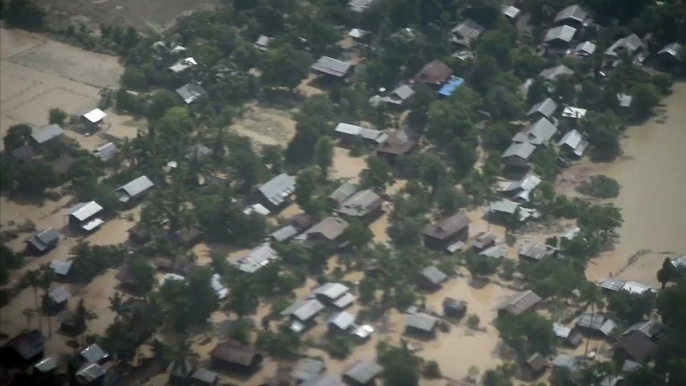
{"points": [[266, 126]]}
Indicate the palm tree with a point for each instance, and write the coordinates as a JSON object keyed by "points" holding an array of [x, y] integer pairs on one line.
{"points": [[182, 358], [47, 276], [29, 313], [592, 296], [33, 277]]}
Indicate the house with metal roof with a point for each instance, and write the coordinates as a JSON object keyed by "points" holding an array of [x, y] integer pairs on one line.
{"points": [[23, 349], [671, 54], [329, 292], [277, 191], [399, 96], [256, 258], [553, 73], [284, 234], [574, 112], [90, 374], [83, 215], [308, 368], [106, 152], [360, 5], [534, 366], [45, 365], [134, 189], [236, 357], [466, 32], [44, 240], [94, 354], [329, 229], [61, 268], [520, 191], [332, 67], [191, 92], [611, 284], [23, 153], [596, 324], [342, 321], [262, 42], [399, 142], [543, 109], [362, 373], [573, 143], [567, 335], [454, 308], [204, 377], [518, 154], [503, 208], [324, 380], [361, 204], [303, 310], [434, 73], [518, 303], [510, 11], [450, 86], [560, 36], [493, 252], [349, 133], [536, 252], [566, 361], [363, 332], [94, 119], [446, 231], [573, 15], [46, 134], [482, 240], [634, 346], [627, 45], [539, 133], [635, 287], [649, 328], [432, 277], [420, 324], [341, 193], [57, 298], [586, 48], [183, 65]]}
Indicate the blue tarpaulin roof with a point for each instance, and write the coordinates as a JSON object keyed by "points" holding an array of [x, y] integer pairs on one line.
{"points": [[449, 88]]}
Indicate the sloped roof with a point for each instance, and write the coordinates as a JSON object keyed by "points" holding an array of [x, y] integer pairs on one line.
{"points": [[536, 251], [574, 112], [434, 275], [561, 331], [106, 152], [331, 66], [44, 238], [510, 11], [332, 291], [24, 152], [256, 258], [564, 360], [586, 47], [563, 32], [451, 86], [575, 141], [673, 49], [342, 320], [360, 5], [554, 72], [136, 187], [61, 267], [504, 206], [540, 132], [573, 12], [308, 368], [537, 362], [596, 322], [83, 211], [496, 252], [46, 365], [546, 108], [46, 133], [205, 376], [263, 41], [344, 191], [88, 373], [624, 100], [399, 142], [435, 72], [233, 352], [285, 233], [330, 227], [95, 115], [528, 183], [360, 204], [344, 301], [60, 295], [191, 92], [420, 321], [521, 150], [629, 44], [363, 372], [93, 353], [447, 227], [278, 188], [519, 302], [611, 284], [303, 310], [467, 31], [649, 328], [483, 239], [637, 345]]}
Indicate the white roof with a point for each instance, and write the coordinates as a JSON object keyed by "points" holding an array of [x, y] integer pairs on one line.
{"points": [[574, 112], [505, 206], [347, 128], [624, 100], [521, 150], [94, 223], [84, 210], [256, 258], [135, 188], [183, 64], [586, 47], [635, 287], [528, 183], [357, 33], [510, 11], [95, 116], [257, 208], [218, 287], [563, 32]]}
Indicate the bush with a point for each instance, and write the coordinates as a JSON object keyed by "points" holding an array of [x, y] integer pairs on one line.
{"points": [[431, 370], [473, 321], [56, 116], [134, 79], [24, 14], [509, 268], [664, 83], [600, 187]]}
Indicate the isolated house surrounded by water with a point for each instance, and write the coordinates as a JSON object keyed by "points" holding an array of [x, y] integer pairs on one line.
{"points": [[83, 216], [276, 192], [432, 278], [134, 189], [447, 231], [93, 120], [420, 324], [44, 240]]}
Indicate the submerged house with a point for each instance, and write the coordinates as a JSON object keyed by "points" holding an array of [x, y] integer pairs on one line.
{"points": [[518, 154], [257, 258], [23, 349], [628, 45], [329, 229], [539, 133], [302, 313], [83, 216], [134, 189], [399, 142], [93, 120], [420, 324], [536, 252], [543, 109], [447, 231], [432, 277], [191, 92], [46, 135], [362, 373]]}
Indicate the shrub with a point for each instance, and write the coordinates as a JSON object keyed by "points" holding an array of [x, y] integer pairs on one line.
{"points": [[473, 321], [600, 187], [431, 370]]}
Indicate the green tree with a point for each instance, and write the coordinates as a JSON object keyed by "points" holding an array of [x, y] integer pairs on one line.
{"points": [[24, 14], [368, 287], [285, 66], [323, 154], [305, 186], [603, 131], [162, 101], [527, 333], [605, 218], [142, 273], [481, 265], [600, 187], [504, 104], [17, 136], [422, 99], [246, 165], [243, 299], [34, 177], [667, 273], [497, 137], [401, 366], [590, 293], [358, 234], [56, 116], [134, 79], [377, 175], [631, 307], [644, 97]]}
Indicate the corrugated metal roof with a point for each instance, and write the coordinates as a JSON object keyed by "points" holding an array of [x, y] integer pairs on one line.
{"points": [[673, 49], [278, 189], [574, 112], [435, 72], [47, 133], [522, 150], [191, 92], [519, 302], [205, 376], [93, 353], [344, 191], [303, 310], [360, 204], [135, 188], [420, 321], [635, 287], [330, 228], [344, 301], [285, 233], [510, 11], [263, 41], [628, 44], [564, 33], [540, 132], [332, 291], [256, 258], [573, 12], [60, 295], [561, 331], [88, 373], [447, 227], [363, 372], [527, 183], [649, 328], [60, 267], [95, 115], [546, 108], [536, 251], [308, 368], [554, 72], [332, 66], [504, 206], [451, 86], [586, 47], [496, 252], [343, 320], [434, 275], [611, 284], [466, 32], [46, 365], [106, 152], [83, 211]]}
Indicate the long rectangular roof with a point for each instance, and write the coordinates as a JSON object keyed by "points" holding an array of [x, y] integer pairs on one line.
{"points": [[278, 189], [563, 32], [519, 302], [330, 227], [521, 150], [342, 320], [546, 108], [304, 310], [447, 227], [331, 66], [420, 321], [363, 372], [573, 12], [84, 210], [44, 238], [285, 233], [344, 191], [434, 275], [332, 291], [360, 204], [47, 133], [256, 258], [344, 301], [136, 187], [540, 132]]}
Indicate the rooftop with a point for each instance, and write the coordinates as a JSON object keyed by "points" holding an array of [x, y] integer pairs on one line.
{"points": [[134, 188], [596, 322], [84, 210], [332, 291], [330, 228], [627, 44], [451, 86], [344, 191], [536, 251], [257, 258], [94, 353], [191, 92], [420, 321], [363, 372], [95, 115], [60, 295], [61, 267], [649, 328], [503, 206], [284, 234], [573, 12], [540, 132], [308, 368], [331, 66], [106, 152], [447, 227], [434, 275], [510, 11], [435, 73], [673, 49], [278, 189], [574, 112], [467, 31], [344, 301], [46, 365], [342, 320], [235, 353], [43, 239], [89, 373], [204, 376], [522, 150], [303, 310], [47, 133], [554, 72], [585, 48], [360, 204], [545, 108], [564, 33], [637, 345], [399, 142], [519, 302], [575, 141], [27, 344]]}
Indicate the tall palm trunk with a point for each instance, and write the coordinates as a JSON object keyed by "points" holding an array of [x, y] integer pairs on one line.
{"points": [[40, 321], [588, 341]]}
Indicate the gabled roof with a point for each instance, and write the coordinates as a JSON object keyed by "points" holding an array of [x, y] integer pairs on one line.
{"points": [[47, 133], [637, 345], [89, 373], [467, 31], [564, 360], [363, 372], [357, 33], [24, 153], [191, 92], [303, 310], [575, 141], [482, 240], [435, 73], [262, 42], [545, 108], [673, 49], [344, 191], [284, 234], [331, 66], [360, 204], [61, 267], [564, 33], [344, 301], [360, 5], [596, 322], [278, 189], [42, 240], [60, 295], [539, 133], [330, 228], [628, 44], [635, 287], [504, 206], [574, 112], [369, 134], [495, 252], [308, 368], [399, 95], [324, 380], [106, 152], [521, 150], [554, 72], [332, 291], [46, 365], [611, 284], [399, 142], [434, 275], [204, 376], [519, 302], [27, 345], [451, 86], [183, 64], [536, 251], [537, 362], [94, 353], [84, 210], [420, 321], [510, 11], [447, 227], [256, 258], [134, 188], [235, 353], [528, 183], [586, 47], [649, 328], [561, 331], [343, 320], [95, 115], [573, 12]]}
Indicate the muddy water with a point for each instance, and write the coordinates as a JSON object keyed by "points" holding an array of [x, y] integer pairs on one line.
{"points": [[653, 185], [345, 166]]}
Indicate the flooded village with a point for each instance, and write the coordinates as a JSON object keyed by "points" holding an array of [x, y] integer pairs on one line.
{"points": [[244, 197]]}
